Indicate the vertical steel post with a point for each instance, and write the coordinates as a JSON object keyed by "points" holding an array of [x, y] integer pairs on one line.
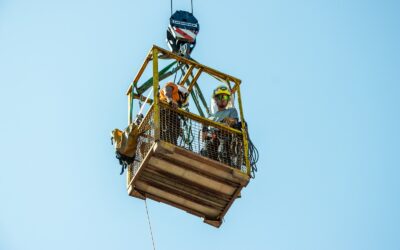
{"points": [[130, 102], [129, 172], [245, 139], [156, 109], [129, 175]]}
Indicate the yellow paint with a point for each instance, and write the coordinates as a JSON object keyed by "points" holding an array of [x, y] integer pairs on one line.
{"points": [[156, 116], [245, 139], [153, 56]]}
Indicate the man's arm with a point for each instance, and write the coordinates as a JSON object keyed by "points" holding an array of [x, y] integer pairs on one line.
{"points": [[168, 94], [233, 118], [230, 121]]}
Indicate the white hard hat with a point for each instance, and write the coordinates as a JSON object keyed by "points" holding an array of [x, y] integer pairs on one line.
{"points": [[183, 90]]}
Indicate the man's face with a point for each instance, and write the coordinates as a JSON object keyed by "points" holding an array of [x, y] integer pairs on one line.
{"points": [[222, 100]]}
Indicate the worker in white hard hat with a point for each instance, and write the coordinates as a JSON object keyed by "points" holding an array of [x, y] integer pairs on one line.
{"points": [[177, 97]]}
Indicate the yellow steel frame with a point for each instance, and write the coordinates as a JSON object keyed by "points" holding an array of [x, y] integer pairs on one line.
{"points": [[153, 55], [189, 71], [156, 114]]}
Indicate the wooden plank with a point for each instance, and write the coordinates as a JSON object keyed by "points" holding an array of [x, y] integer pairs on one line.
{"points": [[206, 211], [192, 176], [208, 170], [237, 175], [187, 186], [200, 163], [235, 195], [204, 170], [169, 149], [243, 177], [135, 193], [167, 202], [153, 181], [215, 223]]}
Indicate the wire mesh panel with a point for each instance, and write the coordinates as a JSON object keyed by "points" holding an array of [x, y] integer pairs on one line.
{"points": [[192, 133], [199, 136], [145, 139]]}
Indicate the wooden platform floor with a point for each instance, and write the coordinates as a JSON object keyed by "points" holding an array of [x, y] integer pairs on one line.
{"points": [[188, 181]]}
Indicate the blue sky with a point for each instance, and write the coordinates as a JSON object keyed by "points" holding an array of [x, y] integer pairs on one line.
{"points": [[321, 96]]}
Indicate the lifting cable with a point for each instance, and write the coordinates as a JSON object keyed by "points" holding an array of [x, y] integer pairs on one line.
{"points": [[187, 135], [253, 155], [164, 73], [191, 4], [179, 66], [148, 219]]}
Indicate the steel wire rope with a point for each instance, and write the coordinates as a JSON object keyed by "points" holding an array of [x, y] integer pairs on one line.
{"points": [[148, 219], [191, 4], [187, 133]]}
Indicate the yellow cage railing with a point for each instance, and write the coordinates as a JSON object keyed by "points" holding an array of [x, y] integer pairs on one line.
{"points": [[184, 159], [191, 132], [184, 129]]}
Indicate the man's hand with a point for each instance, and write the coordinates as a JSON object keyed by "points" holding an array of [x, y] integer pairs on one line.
{"points": [[230, 121], [172, 103]]}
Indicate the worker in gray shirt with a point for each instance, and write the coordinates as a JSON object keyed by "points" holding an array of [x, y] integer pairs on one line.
{"points": [[217, 142]]}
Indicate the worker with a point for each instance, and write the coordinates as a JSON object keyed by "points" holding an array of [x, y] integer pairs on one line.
{"points": [[170, 123], [217, 142]]}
